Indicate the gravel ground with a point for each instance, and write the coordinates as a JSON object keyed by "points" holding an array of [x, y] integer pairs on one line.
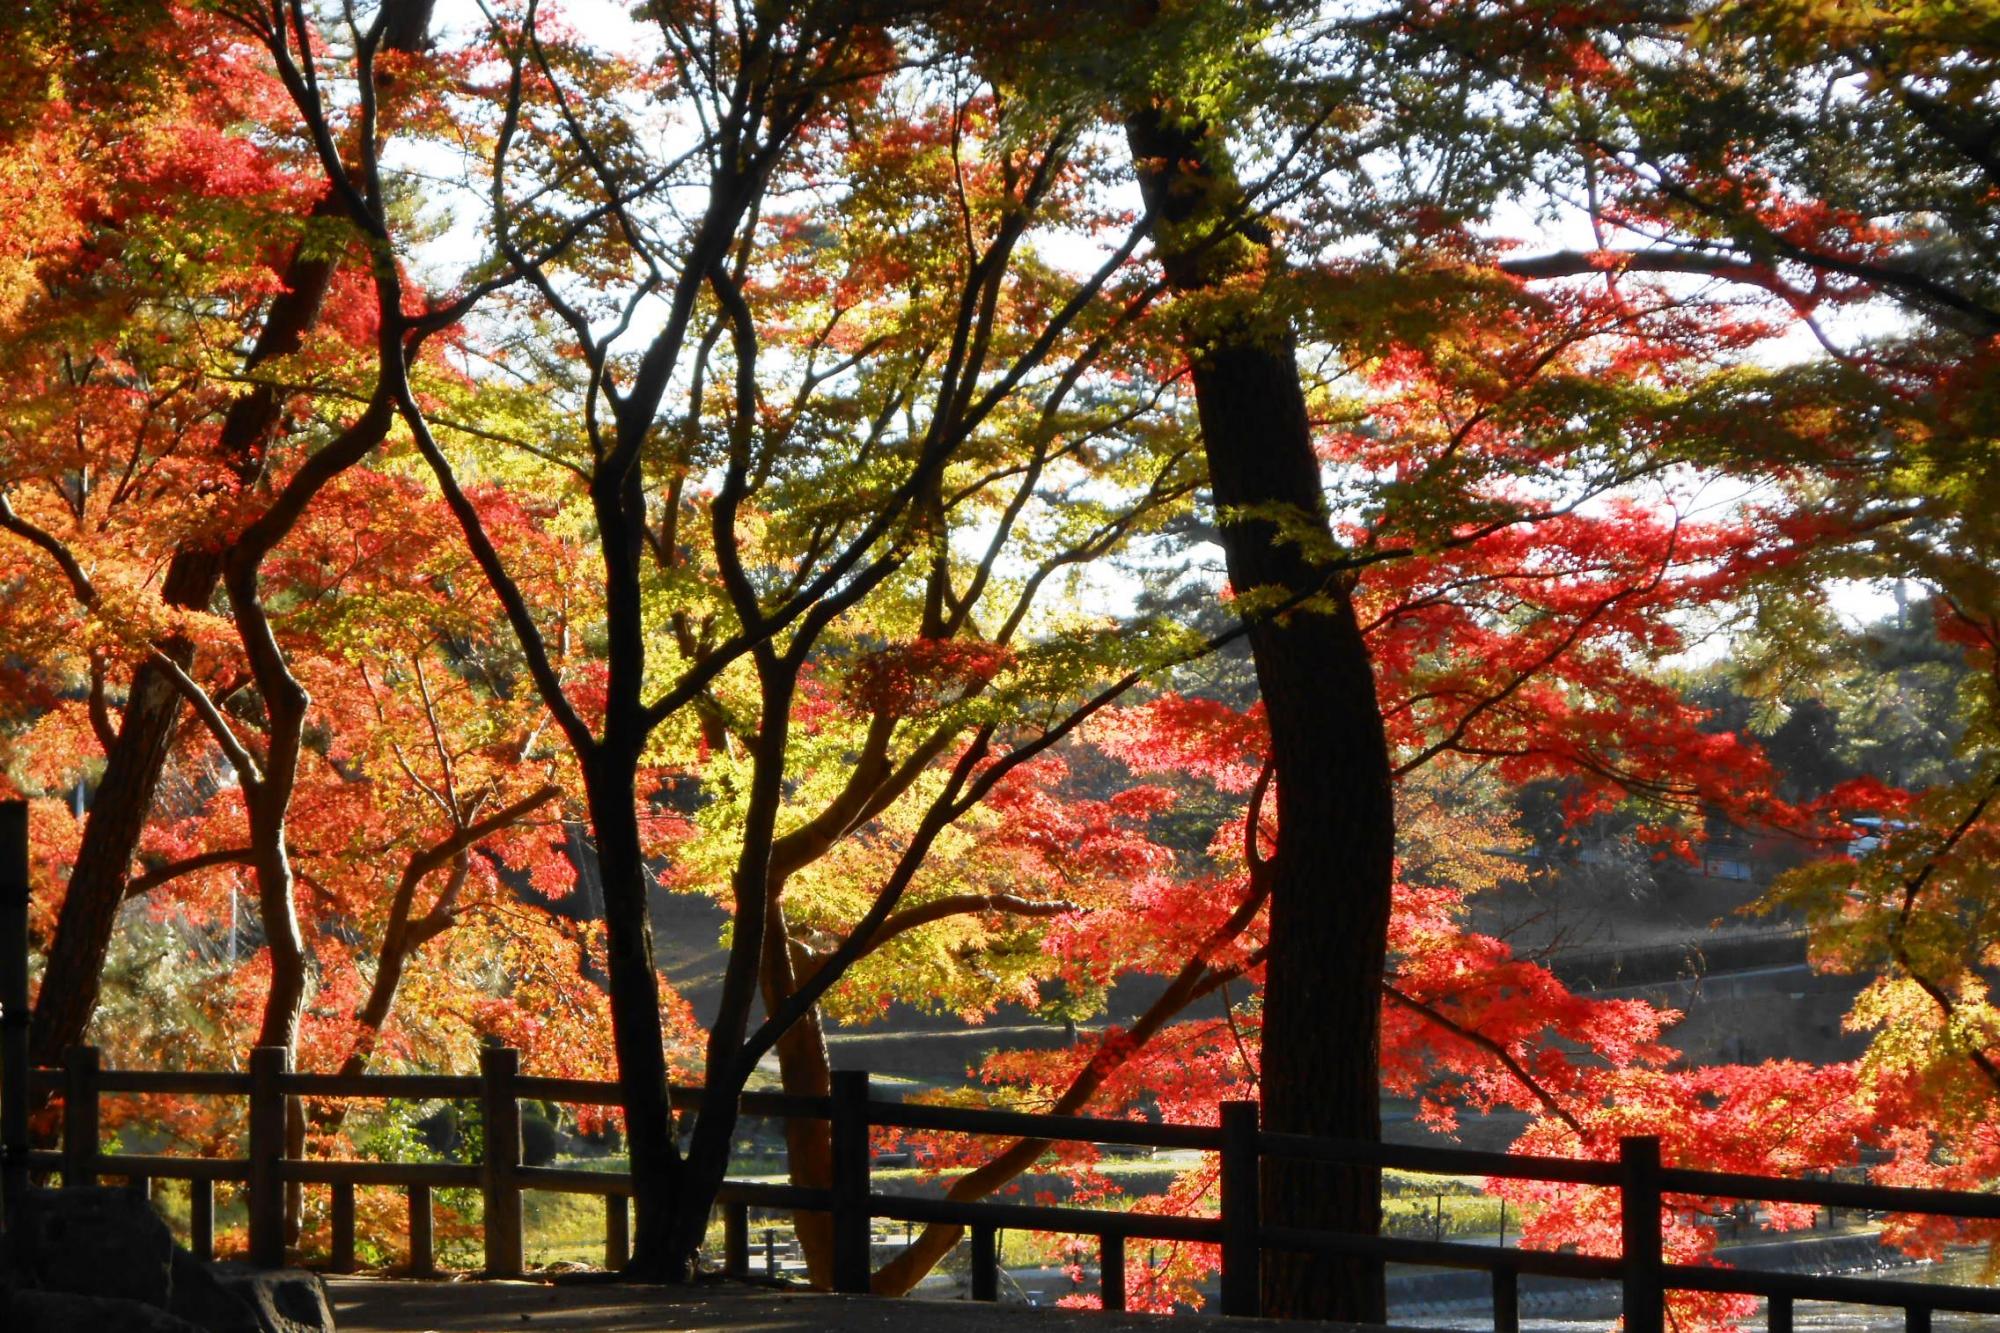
{"points": [[380, 1305]]}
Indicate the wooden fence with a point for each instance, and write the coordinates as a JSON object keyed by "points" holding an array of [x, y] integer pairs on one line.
{"points": [[265, 1173], [1645, 1187]]}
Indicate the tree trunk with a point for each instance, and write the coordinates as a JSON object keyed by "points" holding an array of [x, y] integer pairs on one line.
{"points": [[284, 1001], [729, 1067], [805, 1068], [637, 1036], [1333, 867], [111, 830]]}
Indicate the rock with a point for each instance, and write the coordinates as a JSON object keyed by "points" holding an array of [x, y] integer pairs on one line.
{"points": [[284, 1300], [95, 1241], [101, 1259], [201, 1298], [67, 1312]]}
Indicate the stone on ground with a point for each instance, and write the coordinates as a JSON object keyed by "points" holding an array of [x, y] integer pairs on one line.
{"points": [[101, 1260], [204, 1299], [94, 1241], [285, 1300]]}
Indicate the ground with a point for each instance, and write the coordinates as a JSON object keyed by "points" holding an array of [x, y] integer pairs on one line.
{"points": [[379, 1305]]}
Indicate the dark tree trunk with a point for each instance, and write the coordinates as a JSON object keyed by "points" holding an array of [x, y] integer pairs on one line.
{"points": [[637, 1036], [111, 830], [728, 1068], [1332, 870]]}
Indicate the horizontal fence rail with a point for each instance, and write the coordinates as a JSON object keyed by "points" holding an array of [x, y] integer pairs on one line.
{"points": [[1646, 1188]]}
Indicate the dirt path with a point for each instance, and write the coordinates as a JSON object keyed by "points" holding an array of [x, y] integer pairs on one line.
{"points": [[380, 1305]]}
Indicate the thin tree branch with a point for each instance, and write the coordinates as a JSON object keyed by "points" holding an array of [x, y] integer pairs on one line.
{"points": [[142, 885], [1493, 1048]]}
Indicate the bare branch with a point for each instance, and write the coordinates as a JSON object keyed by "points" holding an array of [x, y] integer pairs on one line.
{"points": [[141, 885], [247, 770], [54, 547]]}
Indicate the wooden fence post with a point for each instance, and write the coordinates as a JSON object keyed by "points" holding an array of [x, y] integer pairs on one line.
{"points": [[736, 1239], [423, 1258], [268, 1067], [341, 1260], [617, 1231], [1639, 1207], [1242, 1256], [1506, 1300], [500, 1112], [985, 1263], [851, 1258], [79, 1116], [1111, 1272], [13, 1002], [201, 1219]]}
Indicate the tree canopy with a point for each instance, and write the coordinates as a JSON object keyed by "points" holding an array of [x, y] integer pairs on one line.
{"points": [[1004, 501]]}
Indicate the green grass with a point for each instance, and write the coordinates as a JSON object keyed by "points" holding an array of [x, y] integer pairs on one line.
{"points": [[1463, 1215], [1140, 1177], [562, 1228]]}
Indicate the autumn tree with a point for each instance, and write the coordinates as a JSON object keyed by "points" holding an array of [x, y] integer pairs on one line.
{"points": [[188, 153], [1832, 162], [924, 394], [1524, 649], [129, 466]]}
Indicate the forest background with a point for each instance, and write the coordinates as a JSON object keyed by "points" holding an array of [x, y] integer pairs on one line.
{"points": [[1005, 500]]}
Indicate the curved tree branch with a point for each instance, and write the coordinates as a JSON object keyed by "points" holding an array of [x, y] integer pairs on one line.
{"points": [[141, 885], [1493, 1048]]}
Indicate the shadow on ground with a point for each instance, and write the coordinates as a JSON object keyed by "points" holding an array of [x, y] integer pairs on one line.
{"points": [[374, 1305]]}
